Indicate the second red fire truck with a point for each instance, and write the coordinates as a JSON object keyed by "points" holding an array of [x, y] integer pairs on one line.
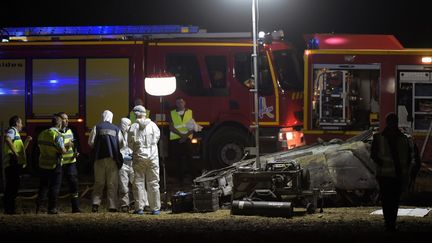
{"points": [[353, 81]]}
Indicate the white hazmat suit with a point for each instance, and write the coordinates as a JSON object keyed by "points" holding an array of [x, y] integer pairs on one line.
{"points": [[143, 138], [126, 173], [105, 171]]}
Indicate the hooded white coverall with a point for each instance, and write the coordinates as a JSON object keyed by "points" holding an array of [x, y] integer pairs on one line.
{"points": [[126, 173], [143, 137], [105, 170]]}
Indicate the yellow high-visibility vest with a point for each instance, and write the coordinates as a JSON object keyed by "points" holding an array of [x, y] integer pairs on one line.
{"points": [[69, 157], [179, 123], [19, 148], [49, 153]]}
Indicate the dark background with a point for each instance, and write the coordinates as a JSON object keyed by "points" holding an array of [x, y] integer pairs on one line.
{"points": [[409, 21]]}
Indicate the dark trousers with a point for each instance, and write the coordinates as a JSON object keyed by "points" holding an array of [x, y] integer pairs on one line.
{"points": [[70, 173], [50, 182], [390, 192], [181, 156], [12, 177]]}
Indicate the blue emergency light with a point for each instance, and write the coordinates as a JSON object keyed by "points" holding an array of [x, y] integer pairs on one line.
{"points": [[101, 30], [313, 43]]}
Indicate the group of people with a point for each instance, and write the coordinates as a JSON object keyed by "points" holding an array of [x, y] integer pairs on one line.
{"points": [[124, 155], [57, 159], [128, 154]]}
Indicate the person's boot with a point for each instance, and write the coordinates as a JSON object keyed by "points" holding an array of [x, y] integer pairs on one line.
{"points": [[38, 206], [52, 211], [75, 205], [95, 208], [9, 208], [124, 209], [52, 207]]}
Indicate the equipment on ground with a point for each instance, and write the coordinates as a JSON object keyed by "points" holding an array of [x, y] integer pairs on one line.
{"points": [[274, 191]]}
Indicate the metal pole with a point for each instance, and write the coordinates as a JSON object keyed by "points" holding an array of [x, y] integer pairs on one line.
{"points": [[255, 74], [163, 154]]}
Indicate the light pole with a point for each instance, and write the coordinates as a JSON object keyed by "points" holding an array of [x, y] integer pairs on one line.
{"points": [[161, 85], [255, 74]]}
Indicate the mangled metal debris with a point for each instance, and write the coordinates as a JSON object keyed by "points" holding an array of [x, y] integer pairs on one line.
{"points": [[341, 168]]}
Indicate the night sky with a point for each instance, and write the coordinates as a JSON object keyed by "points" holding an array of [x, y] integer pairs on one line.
{"points": [[409, 23]]}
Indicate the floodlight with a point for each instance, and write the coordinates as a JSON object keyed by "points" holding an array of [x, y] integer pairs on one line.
{"points": [[161, 85]]}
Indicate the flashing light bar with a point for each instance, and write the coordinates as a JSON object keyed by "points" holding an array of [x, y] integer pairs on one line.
{"points": [[100, 30], [313, 43]]}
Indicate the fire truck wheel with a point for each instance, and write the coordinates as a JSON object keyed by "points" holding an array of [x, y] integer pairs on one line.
{"points": [[227, 147]]}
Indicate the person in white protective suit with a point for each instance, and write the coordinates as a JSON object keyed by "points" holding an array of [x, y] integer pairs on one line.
{"points": [[143, 137], [104, 139], [126, 173]]}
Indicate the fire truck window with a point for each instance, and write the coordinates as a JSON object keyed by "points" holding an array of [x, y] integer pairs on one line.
{"points": [[186, 69], [55, 86], [288, 70], [345, 99], [243, 73], [216, 68], [243, 69], [12, 94], [107, 87], [264, 77]]}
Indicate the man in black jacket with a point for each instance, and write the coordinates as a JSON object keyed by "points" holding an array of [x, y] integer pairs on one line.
{"points": [[392, 154]]}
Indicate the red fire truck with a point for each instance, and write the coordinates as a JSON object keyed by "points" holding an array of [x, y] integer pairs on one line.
{"points": [[353, 81], [85, 70]]}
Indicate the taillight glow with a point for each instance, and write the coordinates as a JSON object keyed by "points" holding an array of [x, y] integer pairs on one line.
{"points": [[427, 60]]}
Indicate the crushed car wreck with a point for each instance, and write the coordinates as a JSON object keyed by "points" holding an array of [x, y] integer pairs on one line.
{"points": [[336, 169]]}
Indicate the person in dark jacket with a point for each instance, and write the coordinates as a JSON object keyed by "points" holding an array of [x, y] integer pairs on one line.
{"points": [[392, 154], [104, 139]]}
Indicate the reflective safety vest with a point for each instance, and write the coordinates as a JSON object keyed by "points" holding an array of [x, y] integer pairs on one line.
{"points": [[180, 124], [68, 157], [49, 153], [19, 148], [387, 168]]}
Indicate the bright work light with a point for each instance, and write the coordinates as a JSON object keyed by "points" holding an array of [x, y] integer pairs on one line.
{"points": [[161, 85]]}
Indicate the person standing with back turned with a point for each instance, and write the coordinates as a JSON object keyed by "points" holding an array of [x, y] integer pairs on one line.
{"points": [[104, 140], [391, 153]]}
